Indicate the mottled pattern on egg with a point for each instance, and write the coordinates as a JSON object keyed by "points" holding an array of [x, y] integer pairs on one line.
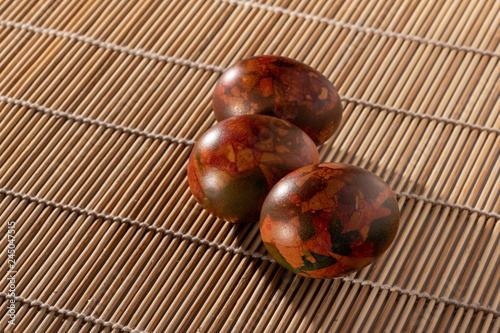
{"points": [[283, 88], [235, 163], [329, 219]]}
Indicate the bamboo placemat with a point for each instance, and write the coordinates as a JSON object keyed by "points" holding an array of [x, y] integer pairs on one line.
{"points": [[101, 102]]}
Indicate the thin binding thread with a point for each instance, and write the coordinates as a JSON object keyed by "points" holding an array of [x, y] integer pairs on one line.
{"points": [[368, 30], [84, 120], [71, 313], [442, 203], [111, 46]]}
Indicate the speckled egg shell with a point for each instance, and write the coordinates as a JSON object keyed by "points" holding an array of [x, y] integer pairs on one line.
{"points": [[327, 220], [283, 88], [234, 164]]}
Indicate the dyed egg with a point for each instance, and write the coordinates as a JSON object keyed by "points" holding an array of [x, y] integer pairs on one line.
{"points": [[327, 220], [283, 88], [234, 165]]}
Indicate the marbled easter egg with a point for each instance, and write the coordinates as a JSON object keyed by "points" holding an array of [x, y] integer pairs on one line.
{"points": [[283, 88], [327, 220], [234, 165]]}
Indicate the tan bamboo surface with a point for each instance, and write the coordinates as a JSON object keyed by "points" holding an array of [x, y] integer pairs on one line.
{"points": [[101, 102]]}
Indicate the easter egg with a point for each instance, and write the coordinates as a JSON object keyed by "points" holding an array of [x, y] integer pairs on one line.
{"points": [[328, 220], [234, 165], [283, 88]]}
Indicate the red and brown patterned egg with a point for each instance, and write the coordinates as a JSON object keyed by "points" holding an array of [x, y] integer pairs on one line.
{"points": [[234, 165], [283, 88], [327, 220]]}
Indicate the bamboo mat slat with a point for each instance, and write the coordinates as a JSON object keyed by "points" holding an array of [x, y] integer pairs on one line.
{"points": [[102, 101]]}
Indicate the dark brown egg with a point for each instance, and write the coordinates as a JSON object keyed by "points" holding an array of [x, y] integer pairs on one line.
{"points": [[283, 88], [327, 220], [235, 163]]}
